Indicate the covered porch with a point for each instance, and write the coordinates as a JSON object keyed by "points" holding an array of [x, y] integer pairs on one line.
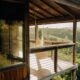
{"points": [[36, 64]]}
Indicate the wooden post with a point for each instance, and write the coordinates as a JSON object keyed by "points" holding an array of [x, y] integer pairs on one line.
{"points": [[26, 38], [74, 40], [73, 73], [36, 33], [52, 52], [55, 59]]}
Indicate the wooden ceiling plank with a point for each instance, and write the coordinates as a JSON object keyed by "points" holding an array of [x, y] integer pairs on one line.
{"points": [[35, 16], [31, 11], [32, 16], [52, 7], [38, 12], [66, 9], [42, 8]]}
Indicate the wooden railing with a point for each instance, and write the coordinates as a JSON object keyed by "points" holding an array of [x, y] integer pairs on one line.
{"points": [[19, 71], [14, 72], [49, 42], [50, 48]]}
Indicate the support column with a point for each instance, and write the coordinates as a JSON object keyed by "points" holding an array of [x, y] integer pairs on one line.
{"points": [[26, 38], [36, 33], [74, 40], [73, 73]]}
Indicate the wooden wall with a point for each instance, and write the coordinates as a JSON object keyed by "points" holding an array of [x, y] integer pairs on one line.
{"points": [[14, 73]]}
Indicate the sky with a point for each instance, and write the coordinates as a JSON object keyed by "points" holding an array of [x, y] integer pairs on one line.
{"points": [[60, 25]]}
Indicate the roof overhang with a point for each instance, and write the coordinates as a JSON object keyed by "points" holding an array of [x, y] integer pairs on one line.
{"points": [[68, 10], [72, 3]]}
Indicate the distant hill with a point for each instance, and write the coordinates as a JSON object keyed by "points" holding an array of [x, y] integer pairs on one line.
{"points": [[56, 34]]}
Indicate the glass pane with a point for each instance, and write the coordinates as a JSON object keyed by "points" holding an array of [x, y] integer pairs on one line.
{"points": [[10, 43]]}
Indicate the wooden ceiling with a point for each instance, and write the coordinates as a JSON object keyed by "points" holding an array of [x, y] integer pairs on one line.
{"points": [[44, 11]]}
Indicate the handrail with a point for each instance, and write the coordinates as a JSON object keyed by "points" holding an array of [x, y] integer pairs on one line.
{"points": [[50, 42], [51, 47], [10, 67], [41, 49]]}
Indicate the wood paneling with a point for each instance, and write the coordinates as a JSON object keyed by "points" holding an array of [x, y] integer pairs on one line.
{"points": [[13, 73]]}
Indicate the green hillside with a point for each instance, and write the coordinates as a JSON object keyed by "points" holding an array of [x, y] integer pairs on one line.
{"points": [[54, 34]]}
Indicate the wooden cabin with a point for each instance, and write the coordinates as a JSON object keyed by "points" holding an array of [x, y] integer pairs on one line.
{"points": [[44, 12]]}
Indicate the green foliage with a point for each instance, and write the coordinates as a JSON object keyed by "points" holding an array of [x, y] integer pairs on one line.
{"points": [[57, 78], [65, 76]]}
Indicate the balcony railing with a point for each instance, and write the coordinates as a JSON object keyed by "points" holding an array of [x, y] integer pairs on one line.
{"points": [[50, 48], [19, 71]]}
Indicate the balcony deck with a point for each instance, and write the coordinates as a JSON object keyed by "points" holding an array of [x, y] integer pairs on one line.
{"points": [[43, 69], [40, 69]]}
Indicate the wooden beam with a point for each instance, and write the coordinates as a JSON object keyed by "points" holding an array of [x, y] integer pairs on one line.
{"points": [[38, 12], [32, 16], [74, 40], [52, 47], [52, 7], [26, 38], [66, 9], [35, 16], [53, 20], [68, 3], [42, 8]]}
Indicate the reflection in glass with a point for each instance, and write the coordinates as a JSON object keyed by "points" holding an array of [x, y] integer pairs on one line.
{"points": [[10, 42]]}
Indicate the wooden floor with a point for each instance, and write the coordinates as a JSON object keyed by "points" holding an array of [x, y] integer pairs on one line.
{"points": [[43, 69]]}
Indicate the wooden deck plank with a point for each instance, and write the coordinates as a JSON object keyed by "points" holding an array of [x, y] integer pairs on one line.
{"points": [[44, 68]]}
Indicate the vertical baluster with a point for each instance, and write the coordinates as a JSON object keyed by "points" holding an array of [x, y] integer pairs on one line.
{"points": [[73, 75], [55, 59], [74, 40]]}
